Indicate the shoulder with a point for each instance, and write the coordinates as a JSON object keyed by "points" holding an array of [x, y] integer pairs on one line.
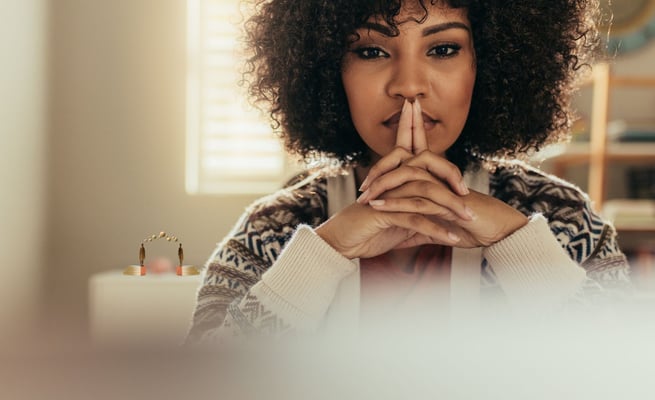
{"points": [[531, 190], [267, 224], [302, 200], [571, 217]]}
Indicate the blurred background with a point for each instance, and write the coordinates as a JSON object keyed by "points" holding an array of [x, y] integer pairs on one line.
{"points": [[97, 148], [93, 151]]}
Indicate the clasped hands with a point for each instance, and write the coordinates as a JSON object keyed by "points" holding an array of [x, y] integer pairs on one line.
{"points": [[412, 197]]}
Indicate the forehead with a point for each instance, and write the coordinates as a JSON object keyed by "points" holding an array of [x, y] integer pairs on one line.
{"points": [[419, 12]]}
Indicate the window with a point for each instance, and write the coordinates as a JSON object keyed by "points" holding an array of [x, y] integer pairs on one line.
{"points": [[230, 147]]}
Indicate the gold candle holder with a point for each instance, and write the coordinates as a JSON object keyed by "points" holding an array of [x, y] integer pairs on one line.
{"points": [[140, 270], [186, 270], [135, 270]]}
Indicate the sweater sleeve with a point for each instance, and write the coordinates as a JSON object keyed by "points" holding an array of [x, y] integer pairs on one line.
{"points": [[565, 244], [271, 274], [298, 289], [292, 295], [532, 267], [549, 263]]}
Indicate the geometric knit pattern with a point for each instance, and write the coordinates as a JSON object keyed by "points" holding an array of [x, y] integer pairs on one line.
{"points": [[225, 306], [587, 238]]}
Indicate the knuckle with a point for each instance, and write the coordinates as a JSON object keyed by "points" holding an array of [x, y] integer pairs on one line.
{"points": [[402, 153], [448, 215], [425, 153], [452, 169], [374, 170], [415, 219], [397, 150], [423, 186], [418, 203]]}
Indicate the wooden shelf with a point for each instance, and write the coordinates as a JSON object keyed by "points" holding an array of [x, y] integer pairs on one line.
{"points": [[599, 151], [629, 228], [562, 155], [631, 215]]}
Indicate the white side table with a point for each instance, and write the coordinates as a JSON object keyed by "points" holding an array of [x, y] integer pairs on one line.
{"points": [[154, 309]]}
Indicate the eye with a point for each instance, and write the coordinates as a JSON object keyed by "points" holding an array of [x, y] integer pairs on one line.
{"points": [[445, 50], [370, 53]]}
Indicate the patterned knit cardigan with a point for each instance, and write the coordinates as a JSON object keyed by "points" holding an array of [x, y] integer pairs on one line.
{"points": [[259, 236]]}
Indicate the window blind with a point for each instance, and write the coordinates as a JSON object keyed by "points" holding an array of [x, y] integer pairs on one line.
{"points": [[230, 148]]}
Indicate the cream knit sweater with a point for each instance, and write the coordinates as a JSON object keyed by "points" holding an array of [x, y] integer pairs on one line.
{"points": [[273, 273]]}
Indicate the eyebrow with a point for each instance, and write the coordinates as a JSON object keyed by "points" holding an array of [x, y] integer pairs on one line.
{"points": [[430, 30]]}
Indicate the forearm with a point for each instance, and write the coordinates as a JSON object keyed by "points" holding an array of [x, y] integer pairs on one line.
{"points": [[532, 267], [301, 285], [293, 294]]}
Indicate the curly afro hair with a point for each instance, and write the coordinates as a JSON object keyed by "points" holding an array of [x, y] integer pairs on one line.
{"points": [[527, 55]]}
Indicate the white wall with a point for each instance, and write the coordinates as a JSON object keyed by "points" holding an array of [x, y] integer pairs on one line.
{"points": [[22, 160], [118, 144]]}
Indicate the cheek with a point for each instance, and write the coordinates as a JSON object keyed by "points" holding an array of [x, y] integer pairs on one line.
{"points": [[462, 89], [461, 95], [362, 109], [360, 104], [356, 93]]}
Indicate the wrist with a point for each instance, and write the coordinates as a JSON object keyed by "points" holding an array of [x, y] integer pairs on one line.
{"points": [[325, 233], [515, 223]]}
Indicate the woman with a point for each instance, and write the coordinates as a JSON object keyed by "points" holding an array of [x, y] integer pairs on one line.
{"points": [[424, 104]]}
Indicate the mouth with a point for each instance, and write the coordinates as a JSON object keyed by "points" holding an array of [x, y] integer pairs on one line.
{"points": [[393, 121]]}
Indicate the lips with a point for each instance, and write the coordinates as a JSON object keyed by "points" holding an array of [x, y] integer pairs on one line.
{"points": [[392, 122]]}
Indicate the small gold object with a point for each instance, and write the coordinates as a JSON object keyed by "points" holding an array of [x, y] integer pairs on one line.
{"points": [[140, 270], [142, 255], [135, 270], [186, 270]]}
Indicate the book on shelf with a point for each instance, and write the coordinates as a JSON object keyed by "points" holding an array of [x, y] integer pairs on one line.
{"points": [[619, 131], [641, 182], [623, 131], [630, 213]]}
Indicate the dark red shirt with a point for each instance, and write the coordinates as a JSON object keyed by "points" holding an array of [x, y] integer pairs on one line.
{"points": [[406, 282]]}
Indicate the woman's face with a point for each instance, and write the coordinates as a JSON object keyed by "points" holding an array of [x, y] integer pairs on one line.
{"points": [[432, 61]]}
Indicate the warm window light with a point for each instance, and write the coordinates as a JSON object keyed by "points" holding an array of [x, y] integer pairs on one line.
{"points": [[230, 149]]}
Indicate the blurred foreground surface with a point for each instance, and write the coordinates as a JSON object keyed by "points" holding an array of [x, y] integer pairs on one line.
{"points": [[604, 356]]}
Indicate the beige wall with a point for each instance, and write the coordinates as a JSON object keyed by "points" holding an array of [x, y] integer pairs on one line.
{"points": [[635, 103], [631, 104], [118, 143], [22, 160]]}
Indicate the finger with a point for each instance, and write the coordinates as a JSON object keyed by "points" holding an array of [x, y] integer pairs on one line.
{"points": [[416, 240], [388, 163], [422, 225], [419, 137], [418, 205], [434, 192], [392, 179], [404, 133], [442, 169]]}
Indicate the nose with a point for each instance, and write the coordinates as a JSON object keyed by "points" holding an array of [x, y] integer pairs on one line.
{"points": [[408, 80]]}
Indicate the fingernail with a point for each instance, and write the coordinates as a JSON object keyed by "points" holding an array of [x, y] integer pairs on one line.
{"points": [[362, 197], [453, 237], [364, 185], [471, 213], [376, 202], [463, 187]]}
